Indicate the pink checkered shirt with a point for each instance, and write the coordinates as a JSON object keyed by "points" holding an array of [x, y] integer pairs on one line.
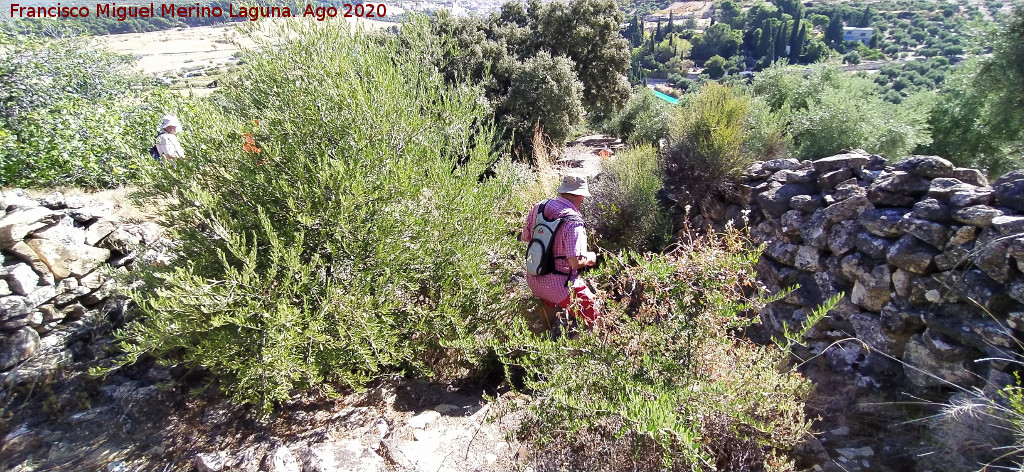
{"points": [[570, 241]]}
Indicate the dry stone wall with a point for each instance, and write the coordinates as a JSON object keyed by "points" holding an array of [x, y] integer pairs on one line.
{"points": [[59, 262], [929, 256]]}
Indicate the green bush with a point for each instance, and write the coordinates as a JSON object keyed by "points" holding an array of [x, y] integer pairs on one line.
{"points": [[623, 212], [330, 226], [642, 121], [664, 383], [717, 134], [70, 115]]}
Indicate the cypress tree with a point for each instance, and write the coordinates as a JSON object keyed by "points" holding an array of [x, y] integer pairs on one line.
{"points": [[657, 31], [798, 46], [794, 36], [780, 43], [671, 23], [834, 31], [865, 19], [873, 44]]}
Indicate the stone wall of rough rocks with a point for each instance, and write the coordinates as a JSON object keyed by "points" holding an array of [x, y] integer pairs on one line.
{"points": [[59, 259], [930, 258]]}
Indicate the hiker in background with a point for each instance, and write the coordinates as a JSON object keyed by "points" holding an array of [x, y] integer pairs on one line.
{"points": [[167, 145], [557, 249]]}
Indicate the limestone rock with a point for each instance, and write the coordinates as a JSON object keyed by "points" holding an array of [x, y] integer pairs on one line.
{"points": [[900, 183], [5, 289], [975, 286], [879, 278], [21, 279], [899, 321], [868, 328], [317, 459], [809, 259], [933, 210], [970, 176], [15, 226], [829, 180], [883, 221], [53, 201], [1007, 225], [99, 230], [18, 346], [932, 233], [849, 189], [978, 215], [421, 420], [776, 202], [801, 176], [952, 257], [926, 166], [993, 259], [972, 196], [911, 254], [792, 220], [873, 300], [65, 261], [776, 165], [872, 245], [280, 459], [1015, 289], [963, 235], [901, 282], [854, 266], [840, 161], [63, 232], [26, 253], [944, 188], [847, 209], [1009, 190], [841, 237], [807, 203], [936, 363], [211, 461], [814, 230], [781, 252]]}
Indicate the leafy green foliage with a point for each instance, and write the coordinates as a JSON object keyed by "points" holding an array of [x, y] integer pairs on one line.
{"points": [[829, 111], [69, 115], [330, 222], [624, 212], [717, 134], [642, 121], [664, 383]]}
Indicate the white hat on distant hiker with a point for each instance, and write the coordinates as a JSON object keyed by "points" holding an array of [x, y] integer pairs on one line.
{"points": [[574, 184], [169, 120]]}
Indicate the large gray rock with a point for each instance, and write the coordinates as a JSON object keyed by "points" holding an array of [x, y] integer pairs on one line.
{"points": [[931, 361], [973, 196], [18, 346], [932, 233], [809, 259], [842, 236], [63, 232], [807, 203], [993, 258], [899, 321], [884, 222], [902, 282], [280, 459], [933, 210], [901, 183], [791, 221], [801, 176], [25, 252], [878, 278], [776, 202], [874, 246], [977, 287], [911, 254], [15, 226], [840, 161], [855, 265], [944, 188], [53, 201], [5, 289], [970, 176], [211, 461], [1007, 225], [978, 215], [21, 279], [66, 261], [926, 166], [99, 230], [849, 189], [776, 165], [782, 252], [869, 299], [814, 230], [847, 209], [962, 235], [1009, 190], [868, 328], [953, 257], [829, 180]]}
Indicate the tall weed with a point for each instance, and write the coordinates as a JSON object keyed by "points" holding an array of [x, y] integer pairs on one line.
{"points": [[624, 212]]}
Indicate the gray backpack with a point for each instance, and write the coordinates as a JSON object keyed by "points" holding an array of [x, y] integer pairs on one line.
{"points": [[540, 256]]}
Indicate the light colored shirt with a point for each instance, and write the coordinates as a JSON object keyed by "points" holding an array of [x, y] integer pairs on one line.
{"points": [[570, 241], [169, 147]]}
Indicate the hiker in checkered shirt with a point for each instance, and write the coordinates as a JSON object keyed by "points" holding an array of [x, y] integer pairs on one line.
{"points": [[564, 288]]}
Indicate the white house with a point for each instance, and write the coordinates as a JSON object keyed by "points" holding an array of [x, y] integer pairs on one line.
{"points": [[858, 34]]}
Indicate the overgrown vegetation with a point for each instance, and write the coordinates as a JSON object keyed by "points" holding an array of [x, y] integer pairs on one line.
{"points": [[72, 115], [331, 223], [666, 383], [624, 212]]}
